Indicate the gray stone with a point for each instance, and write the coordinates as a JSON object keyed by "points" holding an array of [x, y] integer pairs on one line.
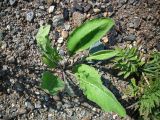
{"points": [[38, 105], [11, 59], [29, 16], [61, 52], [12, 2], [29, 105], [123, 1], [3, 45], [2, 14], [1, 35], [57, 20], [66, 25], [19, 87], [5, 67], [87, 7], [135, 23], [130, 37]]}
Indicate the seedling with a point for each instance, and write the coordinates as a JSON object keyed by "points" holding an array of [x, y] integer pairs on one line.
{"points": [[87, 76]]}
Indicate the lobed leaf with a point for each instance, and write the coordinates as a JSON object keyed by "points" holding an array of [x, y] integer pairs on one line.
{"points": [[50, 55], [91, 84], [51, 83], [102, 55], [88, 33], [42, 36]]}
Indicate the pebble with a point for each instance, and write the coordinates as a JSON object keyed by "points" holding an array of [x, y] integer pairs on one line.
{"points": [[64, 34], [1, 35], [66, 14], [29, 105], [135, 23], [130, 37], [41, 7], [38, 105], [77, 18], [29, 16], [51, 9], [105, 40], [49, 2], [78, 7], [5, 67], [87, 7], [96, 10], [12, 2], [19, 87], [3, 45], [60, 40], [58, 19], [123, 1], [11, 59], [66, 25]]}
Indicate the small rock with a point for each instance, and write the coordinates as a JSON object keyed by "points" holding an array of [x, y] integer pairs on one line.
{"points": [[130, 37], [11, 59], [78, 7], [135, 23], [66, 25], [38, 105], [66, 14], [60, 40], [41, 7], [1, 35], [51, 9], [50, 2], [29, 105], [56, 98], [12, 2], [131, 1], [59, 105], [5, 67], [61, 52], [158, 46], [64, 34], [105, 40], [123, 1], [77, 18], [96, 10], [3, 45], [29, 16], [58, 19], [105, 14], [19, 87], [87, 8]]}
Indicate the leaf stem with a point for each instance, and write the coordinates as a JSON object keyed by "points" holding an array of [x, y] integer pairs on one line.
{"points": [[145, 78]]}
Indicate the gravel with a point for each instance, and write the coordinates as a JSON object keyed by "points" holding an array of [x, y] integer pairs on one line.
{"points": [[137, 21], [29, 16]]}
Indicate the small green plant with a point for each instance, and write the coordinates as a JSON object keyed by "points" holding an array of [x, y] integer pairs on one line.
{"points": [[88, 78], [126, 60], [149, 101], [147, 91]]}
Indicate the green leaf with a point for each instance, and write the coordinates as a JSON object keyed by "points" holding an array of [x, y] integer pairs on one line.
{"points": [[50, 55], [102, 55], [42, 36], [51, 83], [91, 84], [48, 61], [88, 33]]}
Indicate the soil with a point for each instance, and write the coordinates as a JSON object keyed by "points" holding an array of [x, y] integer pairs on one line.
{"points": [[137, 24]]}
